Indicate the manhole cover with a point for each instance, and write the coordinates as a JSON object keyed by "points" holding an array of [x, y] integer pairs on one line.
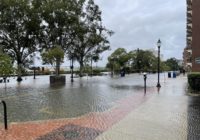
{"points": [[71, 132]]}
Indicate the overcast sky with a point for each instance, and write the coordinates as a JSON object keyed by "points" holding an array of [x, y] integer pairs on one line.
{"points": [[140, 23]]}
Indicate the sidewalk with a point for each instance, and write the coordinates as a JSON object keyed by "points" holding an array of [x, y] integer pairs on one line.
{"points": [[162, 117]]}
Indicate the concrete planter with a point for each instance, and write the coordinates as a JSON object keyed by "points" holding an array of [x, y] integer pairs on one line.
{"points": [[57, 79]]}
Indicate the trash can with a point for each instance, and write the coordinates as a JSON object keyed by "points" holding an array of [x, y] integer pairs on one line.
{"points": [[122, 73], [169, 74], [174, 74]]}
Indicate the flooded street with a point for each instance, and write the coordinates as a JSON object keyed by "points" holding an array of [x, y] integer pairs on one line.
{"points": [[38, 100], [101, 108]]}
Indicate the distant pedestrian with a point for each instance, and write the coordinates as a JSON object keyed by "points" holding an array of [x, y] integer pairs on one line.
{"points": [[184, 72]]}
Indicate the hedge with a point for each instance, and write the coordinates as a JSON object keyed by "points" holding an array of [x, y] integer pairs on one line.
{"points": [[194, 80]]}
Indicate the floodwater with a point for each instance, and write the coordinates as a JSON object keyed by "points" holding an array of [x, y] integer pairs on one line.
{"points": [[36, 99], [168, 113]]}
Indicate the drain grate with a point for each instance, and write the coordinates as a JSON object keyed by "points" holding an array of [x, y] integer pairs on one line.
{"points": [[71, 132]]}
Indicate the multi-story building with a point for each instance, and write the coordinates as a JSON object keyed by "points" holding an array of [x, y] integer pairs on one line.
{"points": [[187, 58], [187, 54], [191, 54]]}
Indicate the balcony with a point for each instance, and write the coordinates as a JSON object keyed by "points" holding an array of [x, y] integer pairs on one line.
{"points": [[189, 35], [189, 2], [189, 64], [189, 25], [189, 30], [189, 51], [189, 38], [189, 20], [189, 11], [189, 14], [189, 8]]}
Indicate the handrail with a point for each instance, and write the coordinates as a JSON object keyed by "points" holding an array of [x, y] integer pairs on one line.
{"points": [[5, 114]]}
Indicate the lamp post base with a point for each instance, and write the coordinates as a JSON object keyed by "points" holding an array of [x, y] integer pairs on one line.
{"points": [[158, 85], [19, 79]]}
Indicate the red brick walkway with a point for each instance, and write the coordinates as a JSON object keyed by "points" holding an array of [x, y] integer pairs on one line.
{"points": [[92, 124]]}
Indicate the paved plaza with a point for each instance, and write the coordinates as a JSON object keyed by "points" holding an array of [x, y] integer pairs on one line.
{"points": [[167, 113]]}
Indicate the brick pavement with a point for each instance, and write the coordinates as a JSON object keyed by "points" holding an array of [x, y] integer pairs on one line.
{"points": [[85, 127]]}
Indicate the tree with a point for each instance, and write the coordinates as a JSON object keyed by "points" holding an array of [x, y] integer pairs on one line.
{"points": [[172, 63], [118, 59], [138, 60], [58, 21], [164, 66], [90, 58], [144, 60], [18, 28], [90, 36], [6, 66], [54, 56], [28, 26]]}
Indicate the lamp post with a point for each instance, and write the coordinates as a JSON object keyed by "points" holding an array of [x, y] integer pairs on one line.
{"points": [[145, 82], [91, 65], [138, 62], [72, 66], [159, 45], [34, 66]]}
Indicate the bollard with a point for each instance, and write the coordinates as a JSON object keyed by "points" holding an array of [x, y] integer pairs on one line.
{"points": [[5, 115], [145, 79]]}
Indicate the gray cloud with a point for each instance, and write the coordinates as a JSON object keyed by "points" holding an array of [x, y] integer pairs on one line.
{"points": [[139, 24]]}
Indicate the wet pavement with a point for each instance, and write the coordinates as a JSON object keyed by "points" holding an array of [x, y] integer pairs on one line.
{"points": [[101, 108], [193, 118], [37, 100]]}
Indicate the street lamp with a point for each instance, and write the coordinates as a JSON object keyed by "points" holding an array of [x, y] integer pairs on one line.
{"points": [[72, 65], [145, 82], [91, 65], [159, 45], [34, 66]]}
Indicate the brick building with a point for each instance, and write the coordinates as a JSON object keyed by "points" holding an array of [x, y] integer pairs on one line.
{"points": [[191, 54]]}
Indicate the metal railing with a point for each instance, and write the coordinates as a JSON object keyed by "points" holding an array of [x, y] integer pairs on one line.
{"points": [[5, 114]]}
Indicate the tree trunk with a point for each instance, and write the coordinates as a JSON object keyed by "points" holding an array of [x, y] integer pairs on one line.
{"points": [[57, 67], [19, 72], [91, 68], [81, 68]]}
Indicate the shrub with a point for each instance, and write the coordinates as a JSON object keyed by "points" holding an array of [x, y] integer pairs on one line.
{"points": [[96, 72], [194, 81]]}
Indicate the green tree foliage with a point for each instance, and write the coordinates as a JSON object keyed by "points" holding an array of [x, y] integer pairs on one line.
{"points": [[76, 26], [58, 22], [55, 57], [28, 26], [172, 64], [90, 36], [118, 59], [144, 61], [6, 66], [17, 30], [136, 61]]}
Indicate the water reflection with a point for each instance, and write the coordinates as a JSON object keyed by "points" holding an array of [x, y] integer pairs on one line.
{"points": [[38, 100]]}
